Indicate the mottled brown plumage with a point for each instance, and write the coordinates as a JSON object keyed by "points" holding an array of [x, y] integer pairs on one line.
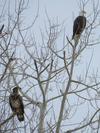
{"points": [[16, 104]]}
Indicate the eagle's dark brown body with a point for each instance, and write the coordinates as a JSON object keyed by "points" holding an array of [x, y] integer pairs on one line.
{"points": [[16, 103], [79, 26]]}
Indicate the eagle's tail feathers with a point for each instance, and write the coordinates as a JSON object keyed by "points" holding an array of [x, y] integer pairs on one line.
{"points": [[20, 117]]}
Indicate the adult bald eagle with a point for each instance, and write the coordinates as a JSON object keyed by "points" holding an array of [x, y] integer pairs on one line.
{"points": [[79, 26], [16, 104]]}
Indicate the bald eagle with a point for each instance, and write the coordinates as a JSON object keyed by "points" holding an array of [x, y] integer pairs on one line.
{"points": [[79, 26], [16, 104]]}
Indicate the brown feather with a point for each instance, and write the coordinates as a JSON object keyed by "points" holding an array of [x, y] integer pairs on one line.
{"points": [[16, 104]]}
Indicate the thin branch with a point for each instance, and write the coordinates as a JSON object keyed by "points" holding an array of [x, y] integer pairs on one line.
{"points": [[5, 121]]}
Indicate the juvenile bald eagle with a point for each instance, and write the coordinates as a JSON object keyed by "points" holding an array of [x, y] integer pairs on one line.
{"points": [[16, 104], [79, 26]]}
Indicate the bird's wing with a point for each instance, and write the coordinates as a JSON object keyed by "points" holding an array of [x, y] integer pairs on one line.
{"points": [[21, 105], [76, 24], [10, 102]]}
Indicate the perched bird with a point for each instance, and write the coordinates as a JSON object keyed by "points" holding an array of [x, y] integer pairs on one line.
{"points": [[16, 103], [79, 25], [1, 29]]}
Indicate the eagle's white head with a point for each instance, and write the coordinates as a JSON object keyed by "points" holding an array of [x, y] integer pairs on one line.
{"points": [[82, 13]]}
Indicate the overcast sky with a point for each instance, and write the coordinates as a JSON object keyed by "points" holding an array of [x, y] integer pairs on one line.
{"points": [[62, 11]]}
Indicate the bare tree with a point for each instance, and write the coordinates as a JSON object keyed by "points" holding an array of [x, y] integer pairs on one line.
{"points": [[58, 96]]}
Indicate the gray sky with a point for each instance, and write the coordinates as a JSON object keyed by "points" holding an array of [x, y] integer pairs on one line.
{"points": [[64, 11]]}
